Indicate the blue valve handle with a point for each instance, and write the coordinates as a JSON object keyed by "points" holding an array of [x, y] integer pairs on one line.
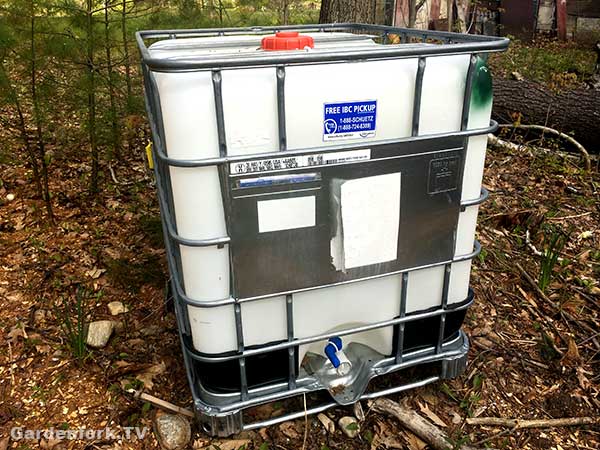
{"points": [[331, 349]]}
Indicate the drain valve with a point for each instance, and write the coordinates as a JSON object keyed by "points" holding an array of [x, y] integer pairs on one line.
{"points": [[338, 358]]}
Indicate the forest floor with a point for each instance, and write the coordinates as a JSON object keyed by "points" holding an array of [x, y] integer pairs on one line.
{"points": [[531, 356]]}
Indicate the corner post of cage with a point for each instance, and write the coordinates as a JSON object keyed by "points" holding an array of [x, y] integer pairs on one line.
{"points": [[157, 129], [165, 194], [152, 100]]}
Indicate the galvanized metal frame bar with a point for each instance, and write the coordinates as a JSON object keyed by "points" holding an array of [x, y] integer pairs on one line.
{"points": [[468, 91], [280, 73], [217, 80], [417, 99], [205, 162], [289, 309], [326, 406], [322, 337], [402, 315], [232, 300], [443, 311], [463, 43]]}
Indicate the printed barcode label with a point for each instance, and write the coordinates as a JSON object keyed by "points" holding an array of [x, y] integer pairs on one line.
{"points": [[299, 161]]}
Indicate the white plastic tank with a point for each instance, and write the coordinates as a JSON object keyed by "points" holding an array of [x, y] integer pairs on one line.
{"points": [[251, 116]]}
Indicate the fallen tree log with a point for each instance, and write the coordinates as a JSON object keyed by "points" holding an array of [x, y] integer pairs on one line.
{"points": [[574, 112]]}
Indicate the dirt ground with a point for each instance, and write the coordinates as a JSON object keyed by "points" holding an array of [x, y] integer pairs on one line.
{"points": [[530, 358]]}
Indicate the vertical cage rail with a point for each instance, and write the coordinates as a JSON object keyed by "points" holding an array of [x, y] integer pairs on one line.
{"points": [[289, 310], [418, 93], [445, 289], [468, 88], [280, 73], [217, 80], [402, 325]]}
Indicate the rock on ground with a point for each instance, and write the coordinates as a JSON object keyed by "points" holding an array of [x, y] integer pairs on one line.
{"points": [[327, 423], [99, 333], [349, 426], [172, 431], [116, 308]]}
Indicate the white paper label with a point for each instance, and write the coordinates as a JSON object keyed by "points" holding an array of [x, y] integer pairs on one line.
{"points": [[298, 161], [368, 221], [286, 213]]}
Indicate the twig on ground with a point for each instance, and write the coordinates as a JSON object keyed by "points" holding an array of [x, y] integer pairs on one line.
{"points": [[574, 216], [10, 368], [114, 177], [580, 148], [305, 423], [535, 251], [535, 423], [533, 284], [495, 436], [163, 404], [421, 427], [112, 174], [497, 142]]}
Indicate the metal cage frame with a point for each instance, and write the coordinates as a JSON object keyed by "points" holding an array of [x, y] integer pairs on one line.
{"points": [[222, 414]]}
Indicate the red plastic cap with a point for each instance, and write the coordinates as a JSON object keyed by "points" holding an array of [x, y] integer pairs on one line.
{"points": [[287, 40]]}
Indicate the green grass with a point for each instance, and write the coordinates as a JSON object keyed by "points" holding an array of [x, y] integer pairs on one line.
{"points": [[556, 240], [72, 317]]}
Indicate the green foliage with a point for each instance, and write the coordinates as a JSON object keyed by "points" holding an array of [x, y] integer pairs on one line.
{"points": [[72, 316], [86, 64], [556, 240], [352, 426], [546, 61]]}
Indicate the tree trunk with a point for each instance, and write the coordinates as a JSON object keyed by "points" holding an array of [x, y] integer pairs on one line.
{"points": [[115, 137], [412, 13], [37, 116], [574, 112], [91, 69], [22, 127], [344, 11], [125, 38]]}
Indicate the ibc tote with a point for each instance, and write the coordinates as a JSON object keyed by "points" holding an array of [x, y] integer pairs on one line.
{"points": [[319, 188]]}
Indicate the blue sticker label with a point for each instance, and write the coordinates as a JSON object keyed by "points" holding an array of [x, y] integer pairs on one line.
{"points": [[349, 120]]}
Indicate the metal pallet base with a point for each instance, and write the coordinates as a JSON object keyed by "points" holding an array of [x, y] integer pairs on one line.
{"points": [[449, 363]]}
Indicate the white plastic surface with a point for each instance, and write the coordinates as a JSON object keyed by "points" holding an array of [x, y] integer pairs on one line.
{"points": [[250, 112]]}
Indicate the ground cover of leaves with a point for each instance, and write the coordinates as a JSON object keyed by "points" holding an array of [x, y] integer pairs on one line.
{"points": [[530, 358]]}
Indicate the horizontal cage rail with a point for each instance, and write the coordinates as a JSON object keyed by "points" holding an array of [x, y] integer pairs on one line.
{"points": [[322, 337], [454, 43]]}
